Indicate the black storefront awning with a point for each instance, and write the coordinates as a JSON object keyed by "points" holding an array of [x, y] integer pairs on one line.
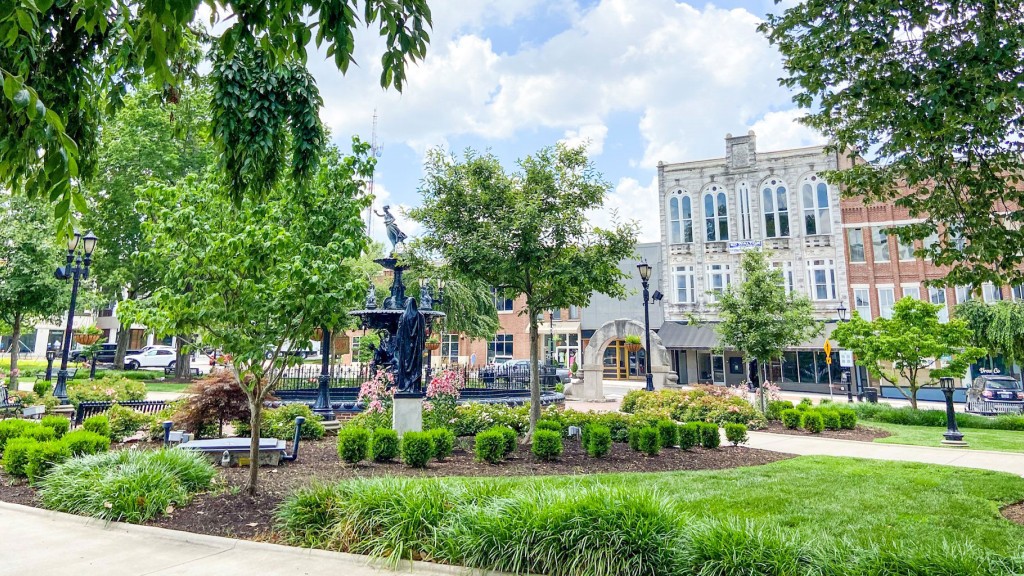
{"points": [[680, 335]]}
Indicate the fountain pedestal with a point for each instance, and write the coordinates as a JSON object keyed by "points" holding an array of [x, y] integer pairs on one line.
{"points": [[407, 413]]}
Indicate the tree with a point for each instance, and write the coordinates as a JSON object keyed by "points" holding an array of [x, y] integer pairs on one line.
{"points": [[759, 319], [148, 139], [28, 257], [997, 328], [526, 232], [255, 276], [65, 65], [897, 349], [931, 90]]}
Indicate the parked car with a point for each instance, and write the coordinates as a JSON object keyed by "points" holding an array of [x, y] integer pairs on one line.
{"points": [[995, 394], [154, 357], [519, 370], [105, 355]]}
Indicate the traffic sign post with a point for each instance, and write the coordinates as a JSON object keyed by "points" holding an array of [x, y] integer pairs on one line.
{"points": [[828, 363]]}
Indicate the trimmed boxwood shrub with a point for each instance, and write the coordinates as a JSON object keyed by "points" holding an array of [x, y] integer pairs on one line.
{"points": [[99, 424], [444, 443], [12, 428], [417, 449], [669, 432], [847, 419], [16, 455], [59, 424], [791, 418], [830, 419], [648, 440], [84, 442], [634, 438], [549, 425], [353, 444], [511, 437], [384, 445], [43, 456], [709, 436], [776, 408], [805, 403], [40, 433], [689, 435], [813, 422], [599, 441], [547, 444], [736, 433], [491, 446]]}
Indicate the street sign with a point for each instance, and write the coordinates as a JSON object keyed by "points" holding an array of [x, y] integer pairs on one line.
{"points": [[846, 358], [828, 348]]}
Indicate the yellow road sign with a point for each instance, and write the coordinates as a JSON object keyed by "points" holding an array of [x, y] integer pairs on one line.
{"points": [[828, 350]]}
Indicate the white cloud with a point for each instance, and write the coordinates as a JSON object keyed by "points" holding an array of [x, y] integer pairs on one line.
{"points": [[780, 130], [632, 201], [592, 135]]}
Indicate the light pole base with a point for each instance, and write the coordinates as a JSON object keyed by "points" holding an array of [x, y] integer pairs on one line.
{"points": [[954, 443]]}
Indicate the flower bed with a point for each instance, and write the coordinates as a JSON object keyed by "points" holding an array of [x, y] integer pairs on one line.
{"points": [[701, 404]]}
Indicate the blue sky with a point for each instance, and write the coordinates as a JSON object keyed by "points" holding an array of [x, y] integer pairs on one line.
{"points": [[643, 81]]}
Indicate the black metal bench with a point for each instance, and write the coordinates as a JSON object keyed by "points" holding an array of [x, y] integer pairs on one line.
{"points": [[87, 409], [168, 371], [7, 403], [41, 375]]}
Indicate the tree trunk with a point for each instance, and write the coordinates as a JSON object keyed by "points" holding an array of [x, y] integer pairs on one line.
{"points": [[12, 383], [256, 414], [534, 374], [124, 334], [182, 360]]}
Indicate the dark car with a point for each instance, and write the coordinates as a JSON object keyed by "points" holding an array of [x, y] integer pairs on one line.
{"points": [[518, 372], [104, 355], [995, 394]]}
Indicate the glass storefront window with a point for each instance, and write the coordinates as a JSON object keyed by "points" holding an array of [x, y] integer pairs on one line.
{"points": [[789, 367]]}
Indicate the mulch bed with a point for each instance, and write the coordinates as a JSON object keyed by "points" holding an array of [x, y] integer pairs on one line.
{"points": [[1014, 513], [860, 433], [228, 511]]}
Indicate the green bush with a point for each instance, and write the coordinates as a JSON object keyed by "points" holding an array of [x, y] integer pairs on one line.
{"points": [[700, 404], [353, 444], [43, 456], [444, 443], [599, 441], [84, 442], [847, 419], [547, 444], [490, 446], [791, 418], [736, 433], [830, 419], [12, 428], [59, 424], [109, 388], [804, 404], [40, 433], [384, 445], [669, 432], [648, 440], [16, 455], [126, 485], [689, 435], [42, 388], [417, 449], [472, 418], [125, 422], [813, 422], [280, 423], [709, 436], [549, 425], [99, 424], [511, 439], [776, 408]]}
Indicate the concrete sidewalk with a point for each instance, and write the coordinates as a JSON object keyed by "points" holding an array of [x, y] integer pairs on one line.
{"points": [[810, 446], [45, 543]]}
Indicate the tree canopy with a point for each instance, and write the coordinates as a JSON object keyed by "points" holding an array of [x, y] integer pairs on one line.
{"points": [[997, 328], [929, 90], [526, 231]]}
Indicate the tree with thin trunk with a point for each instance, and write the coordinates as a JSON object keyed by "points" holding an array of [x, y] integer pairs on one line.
{"points": [[525, 233]]}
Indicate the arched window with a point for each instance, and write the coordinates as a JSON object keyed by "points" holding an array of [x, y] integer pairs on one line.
{"points": [[743, 203], [716, 214], [817, 214], [680, 216], [775, 204], [673, 220]]}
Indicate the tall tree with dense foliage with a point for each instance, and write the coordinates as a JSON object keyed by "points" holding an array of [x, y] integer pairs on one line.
{"points": [[254, 276], [900, 349], [149, 139], [526, 232], [930, 91], [65, 64], [759, 319], [28, 256], [997, 328]]}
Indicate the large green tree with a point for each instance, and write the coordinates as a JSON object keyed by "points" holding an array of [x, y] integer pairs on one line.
{"points": [[525, 231], [65, 64], [930, 92], [254, 276], [997, 328], [758, 317], [28, 256], [899, 349]]}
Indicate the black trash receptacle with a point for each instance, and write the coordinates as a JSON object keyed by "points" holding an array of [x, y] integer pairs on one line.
{"points": [[871, 394]]}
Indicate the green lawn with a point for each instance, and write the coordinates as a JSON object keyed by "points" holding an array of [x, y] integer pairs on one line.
{"points": [[166, 386], [976, 438]]}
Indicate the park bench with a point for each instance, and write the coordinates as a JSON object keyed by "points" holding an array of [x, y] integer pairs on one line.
{"points": [[87, 409], [41, 375], [168, 371], [7, 403]]}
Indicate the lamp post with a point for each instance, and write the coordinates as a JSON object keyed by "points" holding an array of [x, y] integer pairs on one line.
{"points": [[551, 337], [75, 269], [323, 405], [51, 355], [849, 381], [952, 436], [645, 275]]}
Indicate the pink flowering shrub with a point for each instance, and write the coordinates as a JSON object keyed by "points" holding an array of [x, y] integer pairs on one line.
{"points": [[443, 393], [378, 392], [717, 404], [105, 389]]}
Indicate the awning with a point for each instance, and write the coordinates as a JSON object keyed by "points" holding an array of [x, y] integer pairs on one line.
{"points": [[680, 335]]}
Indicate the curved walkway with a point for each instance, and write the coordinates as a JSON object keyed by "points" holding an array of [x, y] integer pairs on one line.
{"points": [[810, 446]]}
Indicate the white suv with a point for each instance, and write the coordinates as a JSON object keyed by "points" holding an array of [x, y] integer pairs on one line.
{"points": [[154, 357]]}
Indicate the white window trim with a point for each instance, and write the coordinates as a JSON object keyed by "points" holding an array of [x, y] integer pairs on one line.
{"points": [[743, 205], [828, 266], [687, 273], [725, 271], [874, 249], [775, 212], [944, 312], [867, 291], [714, 192], [815, 208], [911, 286], [878, 292]]}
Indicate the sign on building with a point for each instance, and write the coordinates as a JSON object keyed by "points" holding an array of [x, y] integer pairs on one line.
{"points": [[741, 246], [846, 358]]}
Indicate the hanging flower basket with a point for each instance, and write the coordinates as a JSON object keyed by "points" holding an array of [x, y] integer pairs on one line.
{"points": [[432, 345], [87, 339], [318, 334], [632, 348]]}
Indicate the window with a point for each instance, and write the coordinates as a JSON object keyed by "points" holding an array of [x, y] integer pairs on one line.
{"points": [[1018, 292], [501, 303], [775, 204], [912, 290], [685, 289], [821, 277], [680, 215], [855, 243], [719, 277], [500, 347], [880, 242], [450, 348], [574, 313], [886, 299], [862, 302], [716, 215], [905, 249], [938, 296], [963, 294], [556, 314], [743, 202], [991, 293], [786, 268], [817, 216]]}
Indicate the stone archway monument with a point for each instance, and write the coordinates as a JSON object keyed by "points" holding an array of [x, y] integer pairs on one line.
{"points": [[593, 356]]}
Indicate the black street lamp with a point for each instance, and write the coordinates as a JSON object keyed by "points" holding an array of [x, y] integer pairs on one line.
{"points": [[952, 436], [551, 337], [433, 300], [645, 275], [75, 269], [849, 381], [51, 355], [323, 405]]}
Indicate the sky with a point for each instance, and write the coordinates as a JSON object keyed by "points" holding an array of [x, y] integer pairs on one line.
{"points": [[640, 81]]}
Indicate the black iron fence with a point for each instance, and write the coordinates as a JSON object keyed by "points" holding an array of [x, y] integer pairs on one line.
{"points": [[87, 409], [307, 377]]}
